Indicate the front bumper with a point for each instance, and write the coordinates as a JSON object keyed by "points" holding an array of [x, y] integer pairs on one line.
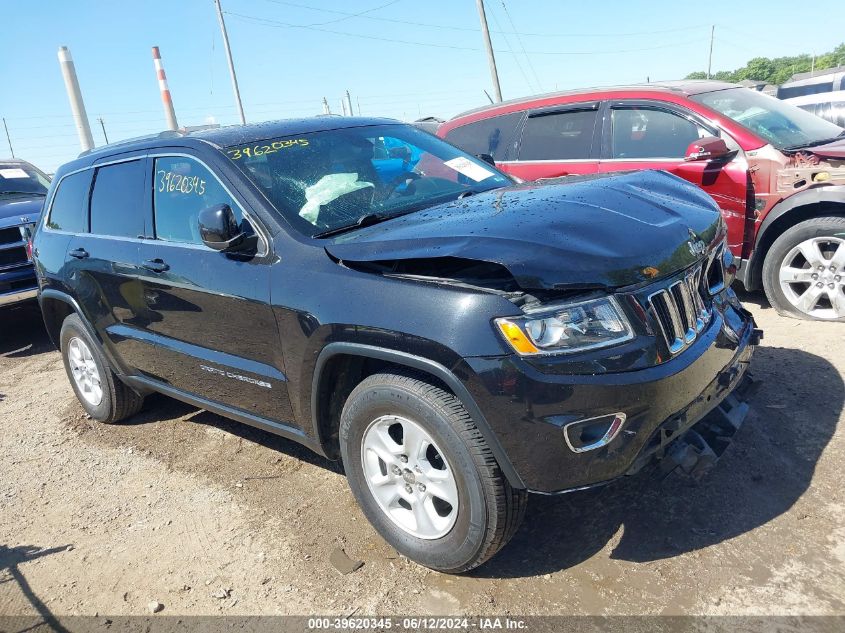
{"points": [[18, 285], [527, 410], [11, 298]]}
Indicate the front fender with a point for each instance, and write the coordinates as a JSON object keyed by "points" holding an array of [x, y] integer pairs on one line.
{"points": [[808, 204], [422, 364], [822, 194]]}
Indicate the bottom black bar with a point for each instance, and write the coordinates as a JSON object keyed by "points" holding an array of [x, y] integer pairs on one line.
{"points": [[530, 624]]}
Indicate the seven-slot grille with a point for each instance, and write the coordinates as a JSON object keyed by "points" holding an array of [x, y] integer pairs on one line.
{"points": [[680, 310], [13, 246]]}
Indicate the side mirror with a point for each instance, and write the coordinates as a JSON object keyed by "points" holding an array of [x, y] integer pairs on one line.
{"points": [[219, 230], [486, 158], [707, 148]]}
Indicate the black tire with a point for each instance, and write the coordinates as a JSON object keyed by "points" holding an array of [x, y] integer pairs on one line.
{"points": [[489, 509], [833, 226], [118, 401]]}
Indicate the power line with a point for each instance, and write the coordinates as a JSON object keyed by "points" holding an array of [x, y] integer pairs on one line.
{"points": [[278, 24], [522, 45], [464, 28], [355, 15], [512, 52]]}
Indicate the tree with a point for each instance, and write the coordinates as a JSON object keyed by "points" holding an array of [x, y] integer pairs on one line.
{"points": [[779, 69]]}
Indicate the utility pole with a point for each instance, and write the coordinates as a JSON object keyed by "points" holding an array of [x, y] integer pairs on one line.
{"points": [[166, 99], [326, 108], [710, 57], [77, 107], [491, 58], [6, 127], [231, 63], [103, 125], [813, 66]]}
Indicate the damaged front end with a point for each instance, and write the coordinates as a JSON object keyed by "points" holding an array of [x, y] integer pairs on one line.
{"points": [[623, 341], [693, 449]]}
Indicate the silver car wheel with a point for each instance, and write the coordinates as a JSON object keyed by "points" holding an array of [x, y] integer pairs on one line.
{"points": [[84, 371], [812, 277], [409, 477]]}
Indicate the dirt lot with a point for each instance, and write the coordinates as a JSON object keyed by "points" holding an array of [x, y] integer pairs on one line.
{"points": [[206, 516]]}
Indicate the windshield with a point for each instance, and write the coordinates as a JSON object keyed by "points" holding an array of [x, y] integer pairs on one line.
{"points": [[782, 124], [20, 178], [324, 182]]}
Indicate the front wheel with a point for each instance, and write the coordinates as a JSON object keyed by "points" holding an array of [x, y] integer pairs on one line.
{"points": [[423, 474], [804, 270]]}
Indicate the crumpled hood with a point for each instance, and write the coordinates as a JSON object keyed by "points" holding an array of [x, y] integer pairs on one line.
{"points": [[836, 149], [13, 209], [579, 232]]}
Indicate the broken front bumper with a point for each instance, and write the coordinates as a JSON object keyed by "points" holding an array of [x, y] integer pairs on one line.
{"points": [[691, 445], [529, 411]]}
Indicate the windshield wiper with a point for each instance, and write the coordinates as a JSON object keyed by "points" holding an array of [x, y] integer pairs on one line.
{"points": [[368, 219], [27, 193], [823, 141]]}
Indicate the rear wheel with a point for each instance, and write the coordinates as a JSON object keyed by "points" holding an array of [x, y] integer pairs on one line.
{"points": [[98, 389], [804, 270], [423, 474]]}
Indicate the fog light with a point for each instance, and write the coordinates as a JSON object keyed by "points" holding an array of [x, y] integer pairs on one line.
{"points": [[587, 435]]}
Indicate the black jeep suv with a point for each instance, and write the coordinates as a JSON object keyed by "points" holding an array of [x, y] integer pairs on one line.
{"points": [[371, 291]]}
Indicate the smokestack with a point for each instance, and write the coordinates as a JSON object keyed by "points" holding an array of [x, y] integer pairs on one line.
{"points": [[349, 104], [166, 100], [74, 95]]}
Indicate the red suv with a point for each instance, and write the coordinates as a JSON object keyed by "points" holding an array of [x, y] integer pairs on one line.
{"points": [[776, 171]]}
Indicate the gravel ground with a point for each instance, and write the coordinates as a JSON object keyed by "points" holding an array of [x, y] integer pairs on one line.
{"points": [[204, 516]]}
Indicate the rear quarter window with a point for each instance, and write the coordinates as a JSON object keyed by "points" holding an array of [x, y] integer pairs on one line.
{"points": [[495, 136], [69, 211]]}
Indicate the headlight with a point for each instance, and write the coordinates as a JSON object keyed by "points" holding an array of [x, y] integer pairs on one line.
{"points": [[567, 328]]}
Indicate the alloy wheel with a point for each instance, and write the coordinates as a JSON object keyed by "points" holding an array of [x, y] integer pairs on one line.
{"points": [[409, 477], [84, 371], [812, 277]]}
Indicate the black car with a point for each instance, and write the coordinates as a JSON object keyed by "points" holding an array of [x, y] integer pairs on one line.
{"points": [[457, 340], [22, 191]]}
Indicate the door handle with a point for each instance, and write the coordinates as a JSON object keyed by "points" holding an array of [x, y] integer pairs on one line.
{"points": [[156, 265], [78, 253]]}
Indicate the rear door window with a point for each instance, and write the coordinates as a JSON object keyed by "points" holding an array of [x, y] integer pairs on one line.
{"points": [[69, 211], [117, 201], [182, 187], [566, 135], [651, 133], [495, 136]]}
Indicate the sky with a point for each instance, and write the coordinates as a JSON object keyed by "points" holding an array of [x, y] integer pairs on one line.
{"points": [[398, 58]]}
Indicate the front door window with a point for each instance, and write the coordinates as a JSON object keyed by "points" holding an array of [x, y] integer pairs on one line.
{"points": [[648, 133], [183, 187]]}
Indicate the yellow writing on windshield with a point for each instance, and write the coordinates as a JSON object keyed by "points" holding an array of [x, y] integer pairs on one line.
{"points": [[260, 150]]}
